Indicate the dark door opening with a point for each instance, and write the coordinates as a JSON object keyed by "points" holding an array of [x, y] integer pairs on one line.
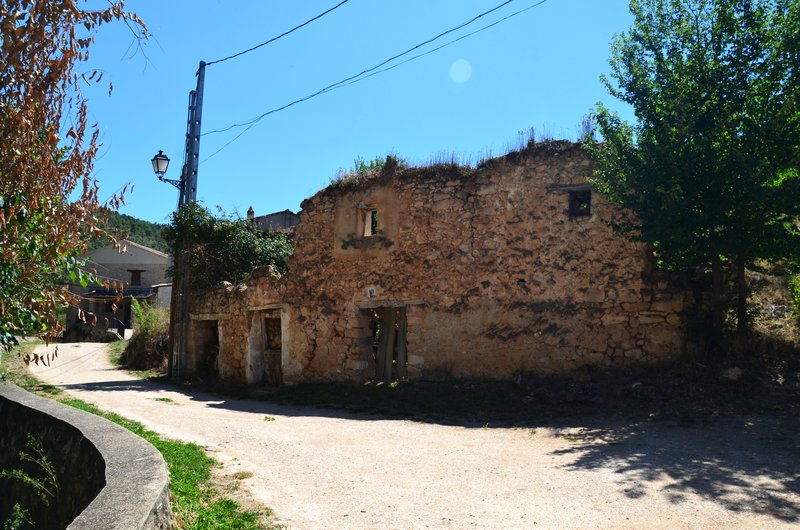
{"points": [[207, 340], [265, 348], [272, 349]]}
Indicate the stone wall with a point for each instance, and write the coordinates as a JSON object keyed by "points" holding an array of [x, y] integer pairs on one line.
{"points": [[106, 476], [505, 269]]}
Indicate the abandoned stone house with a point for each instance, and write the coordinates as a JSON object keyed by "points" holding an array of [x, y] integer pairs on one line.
{"points": [[446, 271]]}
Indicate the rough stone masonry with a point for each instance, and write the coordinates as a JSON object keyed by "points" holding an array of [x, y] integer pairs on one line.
{"points": [[445, 271]]}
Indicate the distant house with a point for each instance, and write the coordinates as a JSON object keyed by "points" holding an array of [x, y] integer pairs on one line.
{"points": [[124, 273], [282, 222]]}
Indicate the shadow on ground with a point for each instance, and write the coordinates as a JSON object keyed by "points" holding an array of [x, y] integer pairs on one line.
{"points": [[744, 464]]}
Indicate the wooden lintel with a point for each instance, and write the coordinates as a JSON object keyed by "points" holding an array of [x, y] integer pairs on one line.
{"points": [[265, 307], [569, 187]]}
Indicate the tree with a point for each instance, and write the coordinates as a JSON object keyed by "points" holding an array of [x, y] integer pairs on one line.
{"points": [[47, 197], [710, 168], [220, 249], [128, 227]]}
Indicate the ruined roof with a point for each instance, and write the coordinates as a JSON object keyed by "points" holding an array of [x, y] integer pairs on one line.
{"points": [[352, 181]]}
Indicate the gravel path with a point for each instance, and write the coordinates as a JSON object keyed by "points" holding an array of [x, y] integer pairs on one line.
{"points": [[328, 469]]}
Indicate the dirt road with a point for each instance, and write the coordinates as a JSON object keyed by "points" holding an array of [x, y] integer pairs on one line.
{"points": [[329, 469]]}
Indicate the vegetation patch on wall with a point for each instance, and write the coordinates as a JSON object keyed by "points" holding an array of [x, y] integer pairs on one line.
{"points": [[222, 249]]}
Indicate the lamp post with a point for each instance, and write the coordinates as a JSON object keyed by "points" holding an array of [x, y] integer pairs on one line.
{"points": [[160, 165]]}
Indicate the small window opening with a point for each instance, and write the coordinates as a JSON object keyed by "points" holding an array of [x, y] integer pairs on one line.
{"points": [[580, 203], [136, 277], [369, 221], [373, 222]]}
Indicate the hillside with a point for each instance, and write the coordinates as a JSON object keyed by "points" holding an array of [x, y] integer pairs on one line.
{"points": [[129, 227]]}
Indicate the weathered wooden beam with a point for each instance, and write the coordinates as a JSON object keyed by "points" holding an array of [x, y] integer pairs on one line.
{"points": [[402, 352], [380, 356], [390, 336]]}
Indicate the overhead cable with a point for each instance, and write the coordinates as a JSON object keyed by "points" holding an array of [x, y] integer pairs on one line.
{"points": [[273, 39], [355, 79], [445, 45], [365, 71]]}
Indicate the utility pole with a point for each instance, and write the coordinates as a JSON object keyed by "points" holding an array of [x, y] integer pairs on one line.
{"points": [[179, 308]]}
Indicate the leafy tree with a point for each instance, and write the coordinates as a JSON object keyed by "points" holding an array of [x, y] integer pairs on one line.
{"points": [[46, 153], [710, 167], [221, 249], [124, 226]]}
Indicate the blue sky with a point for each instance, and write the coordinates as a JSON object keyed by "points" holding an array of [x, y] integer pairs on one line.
{"points": [[539, 69]]}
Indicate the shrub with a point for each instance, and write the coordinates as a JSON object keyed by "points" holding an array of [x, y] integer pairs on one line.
{"points": [[150, 342]]}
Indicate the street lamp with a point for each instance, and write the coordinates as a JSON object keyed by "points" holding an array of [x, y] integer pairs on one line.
{"points": [[160, 165]]}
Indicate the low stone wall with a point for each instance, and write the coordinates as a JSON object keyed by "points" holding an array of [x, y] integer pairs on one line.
{"points": [[107, 477]]}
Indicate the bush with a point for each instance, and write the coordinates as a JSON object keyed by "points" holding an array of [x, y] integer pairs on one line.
{"points": [[148, 348]]}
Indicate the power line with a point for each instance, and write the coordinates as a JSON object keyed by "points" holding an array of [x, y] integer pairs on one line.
{"points": [[479, 30], [355, 79], [365, 71], [273, 39]]}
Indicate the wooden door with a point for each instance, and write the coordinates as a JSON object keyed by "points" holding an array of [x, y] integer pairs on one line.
{"points": [[392, 356]]}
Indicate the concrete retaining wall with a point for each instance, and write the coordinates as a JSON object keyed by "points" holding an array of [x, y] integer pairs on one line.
{"points": [[108, 477]]}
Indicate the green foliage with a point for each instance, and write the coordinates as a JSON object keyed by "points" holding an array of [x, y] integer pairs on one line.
{"points": [[148, 346], [45, 484], [195, 503], [30, 295], [221, 249], [794, 293], [710, 168], [366, 169], [19, 518], [41, 478], [150, 320], [47, 149], [127, 227]]}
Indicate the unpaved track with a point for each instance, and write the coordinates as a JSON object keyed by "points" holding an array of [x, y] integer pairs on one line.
{"points": [[329, 470]]}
